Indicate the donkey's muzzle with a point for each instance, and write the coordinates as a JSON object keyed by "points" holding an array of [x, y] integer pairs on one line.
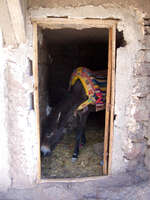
{"points": [[45, 150]]}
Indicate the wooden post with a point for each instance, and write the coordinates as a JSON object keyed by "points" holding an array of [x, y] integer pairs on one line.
{"points": [[108, 103], [109, 118], [36, 92], [112, 98]]}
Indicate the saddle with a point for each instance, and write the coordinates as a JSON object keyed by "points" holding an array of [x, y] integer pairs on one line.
{"points": [[94, 83]]}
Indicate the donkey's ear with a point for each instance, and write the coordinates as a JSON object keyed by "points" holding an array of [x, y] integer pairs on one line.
{"points": [[85, 110], [58, 117]]}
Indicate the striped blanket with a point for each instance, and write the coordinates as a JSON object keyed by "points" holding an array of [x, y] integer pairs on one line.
{"points": [[94, 84]]}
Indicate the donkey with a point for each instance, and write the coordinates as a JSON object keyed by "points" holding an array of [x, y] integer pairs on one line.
{"points": [[72, 112]]}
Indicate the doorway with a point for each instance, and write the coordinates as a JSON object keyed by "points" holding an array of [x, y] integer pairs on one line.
{"points": [[63, 48]]}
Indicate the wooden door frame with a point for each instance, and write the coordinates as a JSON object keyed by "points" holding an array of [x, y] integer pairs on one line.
{"points": [[60, 23], [110, 101]]}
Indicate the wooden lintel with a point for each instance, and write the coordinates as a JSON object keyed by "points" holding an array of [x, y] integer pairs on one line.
{"points": [[17, 19], [77, 23]]}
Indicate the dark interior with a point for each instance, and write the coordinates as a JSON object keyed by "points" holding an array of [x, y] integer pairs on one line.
{"points": [[61, 51], [69, 48]]}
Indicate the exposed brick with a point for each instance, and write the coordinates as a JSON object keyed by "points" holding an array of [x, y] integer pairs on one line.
{"points": [[147, 56], [137, 136], [135, 151], [148, 97], [145, 69], [141, 87], [140, 56], [142, 115], [142, 69], [147, 22], [143, 55], [147, 158], [146, 42], [147, 30]]}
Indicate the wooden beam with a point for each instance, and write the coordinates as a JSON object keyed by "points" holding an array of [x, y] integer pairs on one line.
{"points": [[57, 23], [112, 98], [17, 19], [108, 107]]}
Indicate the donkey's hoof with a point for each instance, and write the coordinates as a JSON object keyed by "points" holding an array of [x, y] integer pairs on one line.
{"points": [[74, 159]]}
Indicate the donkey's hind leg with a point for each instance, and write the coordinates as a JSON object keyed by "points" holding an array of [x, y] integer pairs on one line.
{"points": [[83, 138]]}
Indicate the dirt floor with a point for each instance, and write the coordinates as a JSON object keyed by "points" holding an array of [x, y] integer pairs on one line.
{"points": [[89, 163]]}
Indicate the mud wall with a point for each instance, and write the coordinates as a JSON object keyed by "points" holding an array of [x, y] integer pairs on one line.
{"points": [[17, 120], [132, 108], [142, 6], [4, 153], [43, 67], [142, 76]]}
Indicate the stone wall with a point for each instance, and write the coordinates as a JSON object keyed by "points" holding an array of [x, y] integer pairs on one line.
{"points": [[144, 71], [139, 109], [43, 68]]}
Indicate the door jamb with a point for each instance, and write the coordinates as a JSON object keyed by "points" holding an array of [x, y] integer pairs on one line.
{"points": [[109, 118]]}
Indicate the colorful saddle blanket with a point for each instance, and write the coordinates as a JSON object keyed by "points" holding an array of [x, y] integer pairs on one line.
{"points": [[94, 83]]}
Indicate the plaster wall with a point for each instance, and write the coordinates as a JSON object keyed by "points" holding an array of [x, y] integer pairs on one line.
{"points": [[129, 146], [4, 152], [18, 137], [142, 6], [22, 141]]}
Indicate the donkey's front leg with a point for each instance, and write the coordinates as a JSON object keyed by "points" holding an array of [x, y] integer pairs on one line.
{"points": [[80, 134], [76, 149]]}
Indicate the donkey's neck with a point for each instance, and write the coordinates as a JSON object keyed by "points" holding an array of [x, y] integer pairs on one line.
{"points": [[77, 95]]}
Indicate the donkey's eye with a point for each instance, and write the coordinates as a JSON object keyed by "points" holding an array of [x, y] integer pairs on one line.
{"points": [[52, 133]]}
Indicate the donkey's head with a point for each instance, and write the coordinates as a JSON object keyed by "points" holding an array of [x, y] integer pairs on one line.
{"points": [[62, 116]]}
